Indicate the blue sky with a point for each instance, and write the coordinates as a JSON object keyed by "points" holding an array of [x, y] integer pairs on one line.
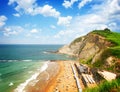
{"points": [[55, 21]]}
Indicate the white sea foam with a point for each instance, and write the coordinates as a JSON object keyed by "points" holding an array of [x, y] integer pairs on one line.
{"points": [[14, 60], [25, 67], [33, 78], [21, 87], [9, 60], [46, 52], [11, 84], [26, 60], [30, 71], [44, 67]]}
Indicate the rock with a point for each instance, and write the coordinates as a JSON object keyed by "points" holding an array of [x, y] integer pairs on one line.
{"points": [[86, 47], [110, 61]]}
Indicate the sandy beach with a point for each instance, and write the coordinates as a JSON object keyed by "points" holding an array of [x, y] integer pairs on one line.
{"points": [[58, 77], [65, 81]]}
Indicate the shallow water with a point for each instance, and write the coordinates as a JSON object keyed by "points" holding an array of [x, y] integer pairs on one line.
{"points": [[19, 62]]}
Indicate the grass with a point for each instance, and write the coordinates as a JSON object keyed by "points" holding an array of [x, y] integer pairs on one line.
{"points": [[113, 86], [113, 37], [76, 40], [114, 50]]}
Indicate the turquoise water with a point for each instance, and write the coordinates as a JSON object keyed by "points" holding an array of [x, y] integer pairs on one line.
{"points": [[19, 62]]}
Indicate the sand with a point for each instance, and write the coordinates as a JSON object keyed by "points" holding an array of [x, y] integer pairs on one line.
{"points": [[61, 79], [65, 81], [40, 84]]}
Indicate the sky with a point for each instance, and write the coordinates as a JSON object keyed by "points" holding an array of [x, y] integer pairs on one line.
{"points": [[55, 21]]}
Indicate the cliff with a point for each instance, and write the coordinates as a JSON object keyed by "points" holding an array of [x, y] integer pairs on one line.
{"points": [[95, 46]]}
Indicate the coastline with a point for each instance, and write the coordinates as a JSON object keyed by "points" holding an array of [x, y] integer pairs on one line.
{"points": [[58, 76], [44, 78]]}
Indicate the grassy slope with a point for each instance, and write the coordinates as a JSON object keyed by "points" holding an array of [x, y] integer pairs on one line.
{"points": [[114, 38], [113, 86]]}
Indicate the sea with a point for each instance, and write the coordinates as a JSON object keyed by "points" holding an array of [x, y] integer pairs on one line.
{"points": [[19, 64]]}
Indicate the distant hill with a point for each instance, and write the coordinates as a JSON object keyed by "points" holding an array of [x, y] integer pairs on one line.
{"points": [[100, 48]]}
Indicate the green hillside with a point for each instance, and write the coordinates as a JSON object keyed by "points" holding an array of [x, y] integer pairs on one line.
{"points": [[114, 37], [114, 50], [112, 86]]}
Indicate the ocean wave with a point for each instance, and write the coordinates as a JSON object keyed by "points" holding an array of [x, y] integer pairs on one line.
{"points": [[30, 71], [33, 78], [46, 52], [7, 60], [44, 67], [21, 87], [15, 60], [27, 60]]}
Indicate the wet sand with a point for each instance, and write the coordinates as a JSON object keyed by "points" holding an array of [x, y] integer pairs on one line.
{"points": [[42, 81]]}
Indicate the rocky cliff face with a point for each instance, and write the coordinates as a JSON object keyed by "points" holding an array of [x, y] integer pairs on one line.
{"points": [[87, 47]]}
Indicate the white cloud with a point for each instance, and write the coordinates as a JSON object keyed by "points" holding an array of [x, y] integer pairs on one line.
{"points": [[68, 4], [83, 3], [2, 20], [64, 33], [77, 28], [31, 7], [34, 31], [46, 10], [52, 26], [12, 30], [16, 15], [109, 10], [93, 19], [28, 35], [65, 21], [108, 7], [64, 36], [106, 15], [88, 23], [23, 4], [100, 16]]}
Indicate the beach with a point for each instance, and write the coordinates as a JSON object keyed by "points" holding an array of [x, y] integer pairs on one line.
{"points": [[57, 77], [65, 81], [24, 64]]}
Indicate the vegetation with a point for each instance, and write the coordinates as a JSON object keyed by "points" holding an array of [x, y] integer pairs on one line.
{"points": [[76, 40], [113, 37], [113, 86], [114, 50]]}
